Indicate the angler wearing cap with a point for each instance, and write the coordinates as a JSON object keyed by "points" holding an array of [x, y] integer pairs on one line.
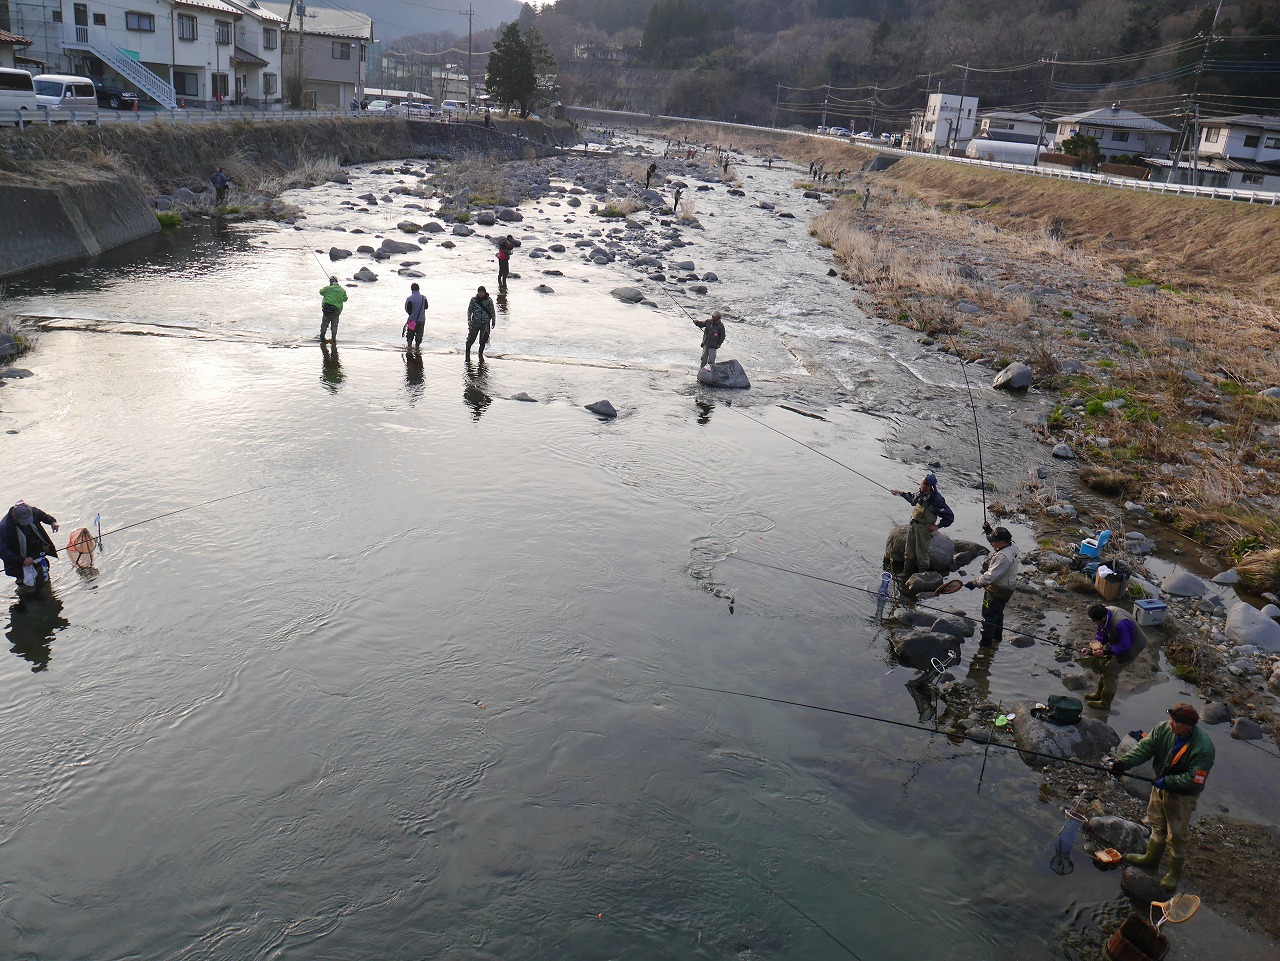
{"points": [[1118, 641], [929, 514], [23, 540], [998, 580], [1182, 755], [331, 300]]}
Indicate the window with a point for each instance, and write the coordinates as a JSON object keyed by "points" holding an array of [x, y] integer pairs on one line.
{"points": [[186, 84], [1251, 180], [270, 39], [16, 81], [141, 22], [99, 19], [270, 84], [1120, 136], [1211, 134], [57, 16], [83, 91], [187, 29], [1252, 141], [341, 51], [222, 32], [290, 44], [1272, 143]]}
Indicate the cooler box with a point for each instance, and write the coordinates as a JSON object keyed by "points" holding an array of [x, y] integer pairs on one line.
{"points": [[1150, 613], [1110, 584]]}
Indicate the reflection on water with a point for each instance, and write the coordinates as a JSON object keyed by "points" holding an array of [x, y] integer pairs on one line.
{"points": [[705, 407], [33, 621], [331, 374], [475, 393], [414, 376]]}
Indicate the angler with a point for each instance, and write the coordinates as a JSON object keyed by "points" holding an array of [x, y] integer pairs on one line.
{"points": [[1118, 641], [1182, 756], [25, 546], [998, 581], [930, 513]]}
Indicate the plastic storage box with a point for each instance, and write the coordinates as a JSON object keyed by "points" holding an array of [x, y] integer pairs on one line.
{"points": [[1149, 613], [1110, 584]]}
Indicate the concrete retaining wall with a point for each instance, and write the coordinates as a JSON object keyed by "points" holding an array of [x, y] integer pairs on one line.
{"points": [[50, 225]]}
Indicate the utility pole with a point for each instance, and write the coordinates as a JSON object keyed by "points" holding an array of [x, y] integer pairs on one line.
{"points": [[1044, 107], [964, 84], [875, 96], [776, 100], [824, 105], [1193, 107], [470, 11]]}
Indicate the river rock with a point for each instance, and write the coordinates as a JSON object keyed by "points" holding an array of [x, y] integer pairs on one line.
{"points": [[1017, 376], [366, 275], [15, 373], [409, 227], [185, 196], [485, 218], [338, 253], [398, 247], [961, 627], [1272, 392], [1248, 625], [462, 230], [1062, 452], [1142, 885], [411, 273], [1227, 578], [1273, 682], [627, 294], [1127, 837], [942, 549], [926, 582], [524, 397], [917, 648], [603, 408], [1245, 729], [1215, 712], [1135, 788], [8, 347], [724, 373], [1183, 584], [433, 228], [507, 215], [1088, 739]]}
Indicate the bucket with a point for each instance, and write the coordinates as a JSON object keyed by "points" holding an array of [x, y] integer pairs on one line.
{"points": [[1136, 940]]}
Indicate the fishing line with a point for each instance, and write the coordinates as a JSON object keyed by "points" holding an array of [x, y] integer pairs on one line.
{"points": [[919, 727], [923, 607], [190, 508], [814, 449], [982, 477], [1263, 750]]}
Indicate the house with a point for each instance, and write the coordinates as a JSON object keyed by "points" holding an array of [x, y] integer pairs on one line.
{"points": [[257, 56], [9, 43], [325, 53], [1010, 126], [180, 53], [1119, 132], [1240, 152], [946, 123]]}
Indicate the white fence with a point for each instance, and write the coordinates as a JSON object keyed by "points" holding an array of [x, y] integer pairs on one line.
{"points": [[27, 118], [1268, 197]]}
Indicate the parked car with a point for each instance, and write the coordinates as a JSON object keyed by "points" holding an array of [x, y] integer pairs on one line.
{"points": [[452, 106], [59, 91], [379, 106], [840, 131], [114, 97], [17, 91]]}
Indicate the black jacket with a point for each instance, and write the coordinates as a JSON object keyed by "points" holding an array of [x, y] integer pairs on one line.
{"points": [[38, 541], [712, 333]]}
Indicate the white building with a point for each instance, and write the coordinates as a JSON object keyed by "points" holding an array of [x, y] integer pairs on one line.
{"points": [[947, 123], [334, 48], [1240, 152], [1010, 126], [180, 53], [1119, 132]]}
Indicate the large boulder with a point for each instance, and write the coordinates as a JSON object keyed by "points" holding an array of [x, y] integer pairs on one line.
{"points": [[339, 253], [942, 549], [1088, 739], [602, 408], [366, 275], [628, 295], [1183, 584], [1132, 786], [1017, 376], [1124, 835], [1248, 625], [724, 373], [399, 247], [8, 347], [918, 648], [926, 582]]}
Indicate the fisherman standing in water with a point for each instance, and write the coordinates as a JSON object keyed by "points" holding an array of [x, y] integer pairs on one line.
{"points": [[331, 300], [481, 318], [1118, 641], [930, 512], [998, 581], [23, 540], [415, 306]]}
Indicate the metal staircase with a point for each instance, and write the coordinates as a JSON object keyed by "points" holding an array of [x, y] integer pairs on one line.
{"points": [[156, 87]]}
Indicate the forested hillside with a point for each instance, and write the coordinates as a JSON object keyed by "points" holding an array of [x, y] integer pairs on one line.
{"points": [[744, 58]]}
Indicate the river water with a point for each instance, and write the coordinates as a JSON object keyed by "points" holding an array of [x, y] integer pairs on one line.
{"points": [[420, 694]]}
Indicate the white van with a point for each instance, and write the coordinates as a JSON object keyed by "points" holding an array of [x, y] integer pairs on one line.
{"points": [[17, 92], [452, 106], [57, 91]]}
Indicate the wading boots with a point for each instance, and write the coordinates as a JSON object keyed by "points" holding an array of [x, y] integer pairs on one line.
{"points": [[1170, 881], [1151, 859]]}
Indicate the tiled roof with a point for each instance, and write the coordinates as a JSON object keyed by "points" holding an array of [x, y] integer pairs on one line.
{"points": [[329, 22], [1243, 120], [1112, 117], [1008, 115], [217, 6], [14, 39]]}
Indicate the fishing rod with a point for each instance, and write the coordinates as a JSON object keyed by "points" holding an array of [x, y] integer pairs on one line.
{"points": [[923, 607], [982, 477], [180, 510], [814, 449], [920, 727]]}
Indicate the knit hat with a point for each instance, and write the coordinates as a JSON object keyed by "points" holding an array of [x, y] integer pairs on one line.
{"points": [[931, 480], [1184, 713], [22, 514], [1000, 534]]}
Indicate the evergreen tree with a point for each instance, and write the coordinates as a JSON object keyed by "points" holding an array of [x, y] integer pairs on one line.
{"points": [[511, 77]]}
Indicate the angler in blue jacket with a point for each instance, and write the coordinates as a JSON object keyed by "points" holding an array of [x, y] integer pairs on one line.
{"points": [[930, 512]]}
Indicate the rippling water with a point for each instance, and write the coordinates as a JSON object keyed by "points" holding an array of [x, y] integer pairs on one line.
{"points": [[421, 697]]}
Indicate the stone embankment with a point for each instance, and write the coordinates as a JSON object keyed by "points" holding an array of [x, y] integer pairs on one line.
{"points": [[72, 192]]}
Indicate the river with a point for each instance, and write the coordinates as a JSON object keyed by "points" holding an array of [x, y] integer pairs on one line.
{"points": [[420, 693]]}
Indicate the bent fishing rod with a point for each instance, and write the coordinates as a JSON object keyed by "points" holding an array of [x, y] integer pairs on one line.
{"points": [[985, 742], [254, 490], [973, 407]]}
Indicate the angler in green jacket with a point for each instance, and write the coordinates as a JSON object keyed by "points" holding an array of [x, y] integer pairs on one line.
{"points": [[331, 300], [1182, 756]]}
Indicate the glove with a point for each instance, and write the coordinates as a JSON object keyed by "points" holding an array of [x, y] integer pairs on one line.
{"points": [[971, 585], [1160, 783], [986, 527], [1117, 767]]}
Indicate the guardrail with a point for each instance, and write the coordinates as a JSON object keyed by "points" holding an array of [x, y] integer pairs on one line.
{"points": [[26, 118], [1269, 198]]}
